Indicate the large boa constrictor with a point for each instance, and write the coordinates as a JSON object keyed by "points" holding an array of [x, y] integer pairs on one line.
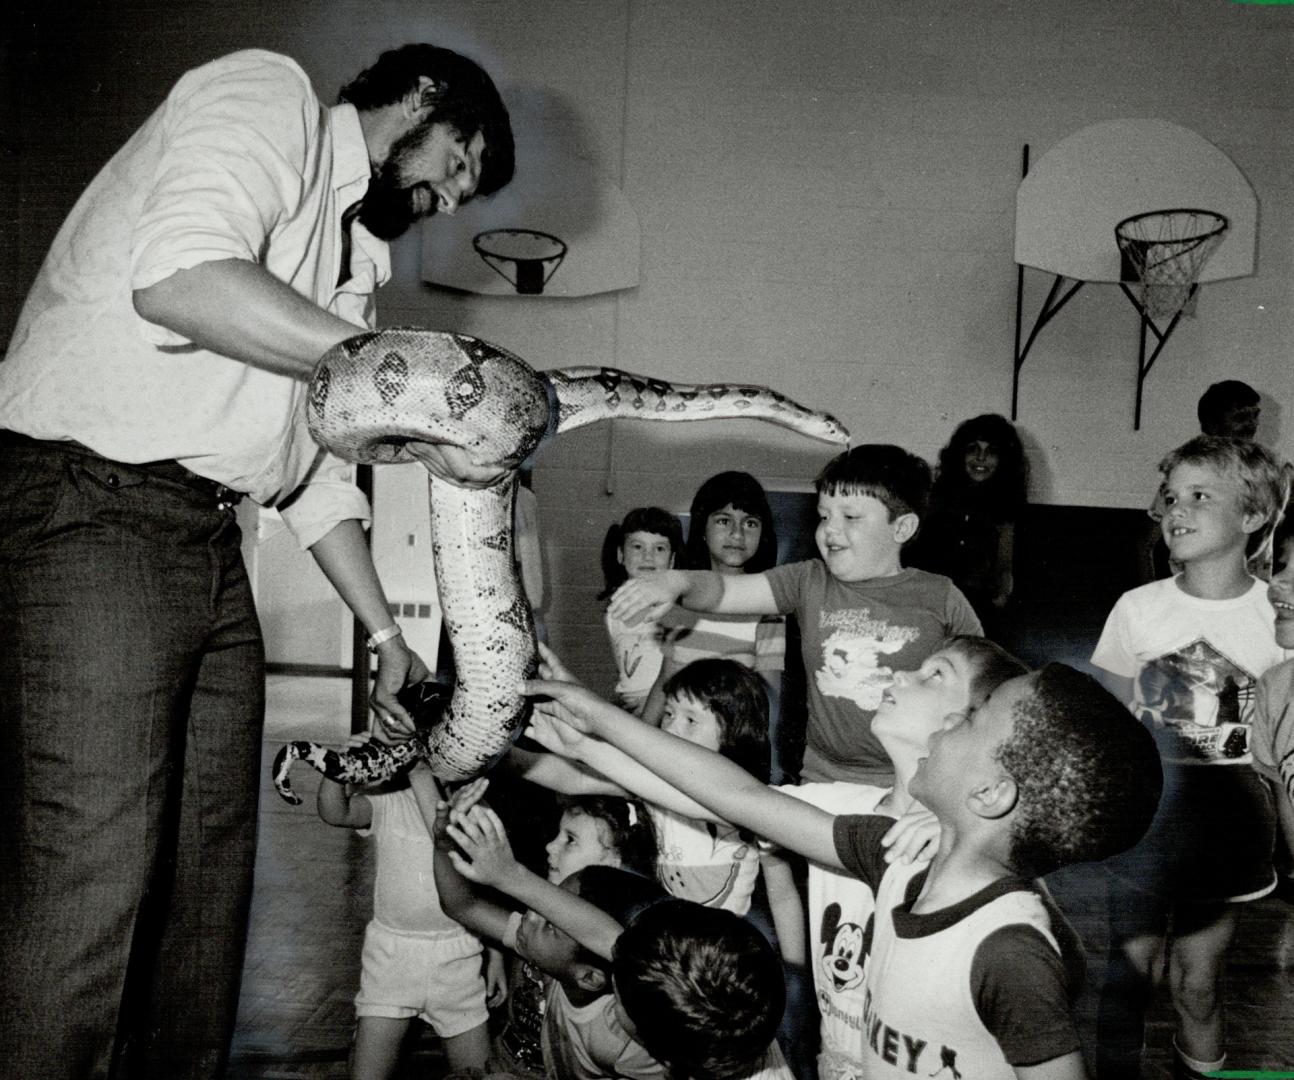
{"points": [[372, 395]]}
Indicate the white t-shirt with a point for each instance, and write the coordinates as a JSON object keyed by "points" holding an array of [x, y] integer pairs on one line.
{"points": [[774, 1066], [638, 655], [586, 1042], [706, 862], [920, 999], [840, 910], [404, 884], [241, 161], [1194, 664]]}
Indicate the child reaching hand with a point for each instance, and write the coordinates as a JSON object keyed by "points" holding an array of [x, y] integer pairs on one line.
{"points": [[957, 676], [698, 986], [647, 541], [719, 704], [972, 968], [417, 961], [582, 1038], [862, 615], [593, 830]]}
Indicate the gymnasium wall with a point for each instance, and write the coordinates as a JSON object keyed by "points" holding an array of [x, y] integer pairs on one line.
{"points": [[826, 193]]}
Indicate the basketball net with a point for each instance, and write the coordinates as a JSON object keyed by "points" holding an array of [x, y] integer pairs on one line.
{"points": [[1164, 251], [526, 258]]}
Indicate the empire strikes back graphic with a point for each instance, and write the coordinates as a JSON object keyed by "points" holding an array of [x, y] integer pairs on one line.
{"points": [[1200, 700]]}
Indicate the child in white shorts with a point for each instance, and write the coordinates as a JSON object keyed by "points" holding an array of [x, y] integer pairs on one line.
{"points": [[416, 960]]}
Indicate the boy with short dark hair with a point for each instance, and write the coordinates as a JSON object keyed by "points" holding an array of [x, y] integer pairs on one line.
{"points": [[1229, 407], [1185, 653], [800, 818], [702, 990], [862, 615], [972, 968]]}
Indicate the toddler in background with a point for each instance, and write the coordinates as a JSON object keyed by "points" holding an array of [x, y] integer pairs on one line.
{"points": [[1186, 653], [648, 540], [417, 960]]}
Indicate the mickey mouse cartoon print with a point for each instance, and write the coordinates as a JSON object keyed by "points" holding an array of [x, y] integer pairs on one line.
{"points": [[843, 952]]}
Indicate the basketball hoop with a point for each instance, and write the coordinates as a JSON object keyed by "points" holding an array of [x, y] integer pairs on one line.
{"points": [[525, 257], [1165, 250]]}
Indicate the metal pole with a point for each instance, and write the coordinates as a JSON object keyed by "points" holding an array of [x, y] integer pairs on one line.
{"points": [[1019, 307], [361, 668]]}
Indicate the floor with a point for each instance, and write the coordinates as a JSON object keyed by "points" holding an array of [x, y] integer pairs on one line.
{"points": [[313, 897]]}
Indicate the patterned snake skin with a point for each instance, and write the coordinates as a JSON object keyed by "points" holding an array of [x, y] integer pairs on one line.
{"points": [[374, 393]]}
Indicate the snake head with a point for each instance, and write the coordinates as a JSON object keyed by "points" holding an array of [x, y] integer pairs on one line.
{"points": [[834, 431]]}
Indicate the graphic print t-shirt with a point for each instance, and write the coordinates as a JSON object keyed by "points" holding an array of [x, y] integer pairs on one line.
{"points": [[853, 637], [1194, 664], [840, 907]]}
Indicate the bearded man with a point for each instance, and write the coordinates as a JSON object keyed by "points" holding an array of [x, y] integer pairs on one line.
{"points": [[154, 379]]}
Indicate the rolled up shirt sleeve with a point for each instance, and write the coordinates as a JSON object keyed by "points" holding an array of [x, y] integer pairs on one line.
{"points": [[238, 142], [327, 498]]}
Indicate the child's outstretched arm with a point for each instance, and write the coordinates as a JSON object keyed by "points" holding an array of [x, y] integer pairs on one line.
{"points": [[697, 590], [579, 765], [629, 776], [786, 907], [724, 788], [460, 901], [338, 805], [486, 858], [557, 772]]}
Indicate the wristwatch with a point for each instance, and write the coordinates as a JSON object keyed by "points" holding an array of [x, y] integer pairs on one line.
{"points": [[383, 635]]}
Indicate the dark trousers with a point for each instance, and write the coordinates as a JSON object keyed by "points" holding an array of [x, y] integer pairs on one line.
{"points": [[131, 706]]}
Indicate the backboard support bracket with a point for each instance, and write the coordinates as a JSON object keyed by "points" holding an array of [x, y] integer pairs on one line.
{"points": [[1148, 326], [1056, 299], [1050, 307]]}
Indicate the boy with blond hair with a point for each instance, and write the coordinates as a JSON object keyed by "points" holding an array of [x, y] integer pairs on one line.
{"points": [[862, 615], [1185, 653]]}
